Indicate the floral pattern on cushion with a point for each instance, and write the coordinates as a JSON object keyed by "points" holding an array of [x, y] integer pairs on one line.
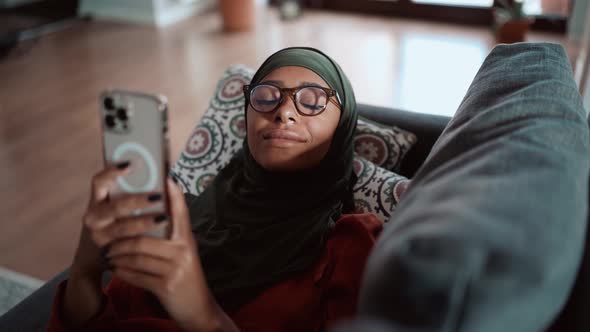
{"points": [[375, 189], [217, 136], [384, 146]]}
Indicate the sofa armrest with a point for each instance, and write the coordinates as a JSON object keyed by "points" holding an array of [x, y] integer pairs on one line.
{"points": [[427, 127], [32, 313]]}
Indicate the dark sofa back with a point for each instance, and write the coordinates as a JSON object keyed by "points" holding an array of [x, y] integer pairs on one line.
{"points": [[427, 128], [574, 316]]}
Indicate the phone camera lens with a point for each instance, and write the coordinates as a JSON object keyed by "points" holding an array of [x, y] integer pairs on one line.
{"points": [[122, 114], [110, 121], [109, 103]]}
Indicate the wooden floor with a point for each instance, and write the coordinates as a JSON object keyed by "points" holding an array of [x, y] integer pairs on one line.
{"points": [[49, 131]]}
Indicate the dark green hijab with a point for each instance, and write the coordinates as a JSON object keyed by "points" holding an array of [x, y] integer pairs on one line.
{"points": [[254, 227]]}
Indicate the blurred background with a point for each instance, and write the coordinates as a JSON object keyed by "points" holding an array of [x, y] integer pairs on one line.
{"points": [[57, 56]]}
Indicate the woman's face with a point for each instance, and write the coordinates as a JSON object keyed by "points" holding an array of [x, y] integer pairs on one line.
{"points": [[309, 137]]}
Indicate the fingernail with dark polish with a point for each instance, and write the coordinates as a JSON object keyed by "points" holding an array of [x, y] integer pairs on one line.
{"points": [[160, 218], [106, 263], [123, 165], [154, 197], [174, 179], [105, 250]]}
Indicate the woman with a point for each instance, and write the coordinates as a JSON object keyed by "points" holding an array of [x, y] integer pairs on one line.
{"points": [[269, 246]]}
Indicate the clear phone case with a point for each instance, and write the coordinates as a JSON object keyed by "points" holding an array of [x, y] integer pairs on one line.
{"points": [[134, 128]]}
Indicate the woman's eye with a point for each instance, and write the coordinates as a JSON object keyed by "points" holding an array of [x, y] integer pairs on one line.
{"points": [[266, 102], [312, 107]]}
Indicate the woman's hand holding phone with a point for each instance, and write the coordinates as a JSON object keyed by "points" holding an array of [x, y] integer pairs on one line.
{"points": [[169, 268], [143, 236], [104, 221], [108, 220]]}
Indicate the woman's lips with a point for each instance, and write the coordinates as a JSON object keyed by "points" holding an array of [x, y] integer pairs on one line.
{"points": [[283, 134]]}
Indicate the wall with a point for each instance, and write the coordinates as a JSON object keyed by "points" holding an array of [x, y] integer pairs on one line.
{"points": [[577, 22], [151, 12], [172, 11], [583, 62]]}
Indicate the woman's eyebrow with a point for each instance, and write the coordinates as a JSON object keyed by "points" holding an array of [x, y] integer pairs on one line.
{"points": [[311, 84], [281, 83], [272, 81]]}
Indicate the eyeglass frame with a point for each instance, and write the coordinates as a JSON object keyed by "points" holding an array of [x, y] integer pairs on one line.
{"points": [[291, 92]]}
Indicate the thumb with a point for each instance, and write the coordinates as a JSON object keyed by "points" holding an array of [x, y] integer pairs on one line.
{"points": [[179, 213]]}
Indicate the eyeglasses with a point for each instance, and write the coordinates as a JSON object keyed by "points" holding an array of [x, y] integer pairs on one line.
{"points": [[308, 100]]}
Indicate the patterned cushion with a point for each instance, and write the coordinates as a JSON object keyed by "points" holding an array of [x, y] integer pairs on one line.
{"points": [[221, 131], [377, 190], [219, 134], [384, 146]]}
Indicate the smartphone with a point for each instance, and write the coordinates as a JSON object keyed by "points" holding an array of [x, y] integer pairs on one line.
{"points": [[135, 129]]}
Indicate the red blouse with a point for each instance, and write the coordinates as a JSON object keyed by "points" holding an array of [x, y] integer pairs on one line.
{"points": [[309, 301]]}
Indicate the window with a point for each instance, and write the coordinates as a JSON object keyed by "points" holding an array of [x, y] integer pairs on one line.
{"points": [[464, 3], [550, 15]]}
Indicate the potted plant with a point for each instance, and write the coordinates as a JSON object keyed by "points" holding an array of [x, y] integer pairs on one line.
{"points": [[237, 15], [511, 23]]}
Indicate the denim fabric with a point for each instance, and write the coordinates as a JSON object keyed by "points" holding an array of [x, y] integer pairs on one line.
{"points": [[489, 236]]}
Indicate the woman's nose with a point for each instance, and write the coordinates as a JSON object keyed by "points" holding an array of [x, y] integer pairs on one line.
{"points": [[286, 113]]}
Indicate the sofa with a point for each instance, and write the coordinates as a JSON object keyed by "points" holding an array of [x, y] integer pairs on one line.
{"points": [[492, 233], [32, 314]]}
